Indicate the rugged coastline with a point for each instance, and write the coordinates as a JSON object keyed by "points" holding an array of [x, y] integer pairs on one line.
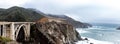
{"points": [[54, 32], [46, 30]]}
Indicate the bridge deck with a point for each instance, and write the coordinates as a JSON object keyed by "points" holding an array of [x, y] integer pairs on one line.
{"points": [[15, 22]]}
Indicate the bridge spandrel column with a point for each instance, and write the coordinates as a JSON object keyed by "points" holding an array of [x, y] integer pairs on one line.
{"points": [[12, 31], [27, 31], [4, 30]]}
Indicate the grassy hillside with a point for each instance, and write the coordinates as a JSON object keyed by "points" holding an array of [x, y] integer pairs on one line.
{"points": [[16, 14]]}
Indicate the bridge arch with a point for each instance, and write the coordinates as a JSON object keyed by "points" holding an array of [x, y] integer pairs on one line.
{"points": [[20, 33]]}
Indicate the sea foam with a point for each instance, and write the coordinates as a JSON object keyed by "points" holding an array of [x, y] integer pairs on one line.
{"points": [[90, 40], [82, 31]]}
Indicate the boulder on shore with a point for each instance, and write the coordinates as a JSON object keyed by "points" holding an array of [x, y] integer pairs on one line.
{"points": [[118, 28]]}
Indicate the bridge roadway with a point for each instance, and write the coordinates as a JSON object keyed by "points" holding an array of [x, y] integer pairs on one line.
{"points": [[12, 29]]}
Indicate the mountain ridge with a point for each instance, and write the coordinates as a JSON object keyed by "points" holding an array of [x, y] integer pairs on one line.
{"points": [[16, 14], [76, 24]]}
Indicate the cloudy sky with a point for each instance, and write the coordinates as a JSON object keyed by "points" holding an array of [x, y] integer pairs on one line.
{"points": [[93, 11]]}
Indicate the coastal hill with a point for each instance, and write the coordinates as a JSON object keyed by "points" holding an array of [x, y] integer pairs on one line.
{"points": [[76, 24], [16, 14]]}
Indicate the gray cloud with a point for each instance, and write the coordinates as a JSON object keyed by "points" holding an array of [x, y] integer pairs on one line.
{"points": [[81, 10], [87, 12]]}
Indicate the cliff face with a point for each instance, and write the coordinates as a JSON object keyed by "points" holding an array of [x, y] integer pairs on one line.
{"points": [[54, 32], [76, 24]]}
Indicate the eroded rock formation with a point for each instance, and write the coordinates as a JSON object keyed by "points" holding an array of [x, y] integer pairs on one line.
{"points": [[54, 31]]}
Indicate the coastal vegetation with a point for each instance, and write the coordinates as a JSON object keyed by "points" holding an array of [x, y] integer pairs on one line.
{"points": [[3, 40]]}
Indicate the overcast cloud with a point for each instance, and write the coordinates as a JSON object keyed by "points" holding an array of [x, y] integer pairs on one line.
{"points": [[97, 11]]}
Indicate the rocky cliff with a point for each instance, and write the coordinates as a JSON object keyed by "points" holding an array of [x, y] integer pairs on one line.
{"points": [[76, 24], [54, 31]]}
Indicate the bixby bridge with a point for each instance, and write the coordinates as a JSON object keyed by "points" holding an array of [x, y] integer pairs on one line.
{"points": [[13, 30]]}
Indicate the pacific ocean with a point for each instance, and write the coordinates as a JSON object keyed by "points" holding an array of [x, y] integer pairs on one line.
{"points": [[105, 33]]}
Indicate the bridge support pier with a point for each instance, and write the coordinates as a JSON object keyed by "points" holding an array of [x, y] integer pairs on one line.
{"points": [[12, 31], [4, 31]]}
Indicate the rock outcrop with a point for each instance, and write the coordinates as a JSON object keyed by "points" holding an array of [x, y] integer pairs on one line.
{"points": [[118, 28], [53, 31]]}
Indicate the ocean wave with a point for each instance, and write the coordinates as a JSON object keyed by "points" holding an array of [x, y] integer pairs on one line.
{"points": [[82, 31], [101, 28], [90, 40], [101, 33]]}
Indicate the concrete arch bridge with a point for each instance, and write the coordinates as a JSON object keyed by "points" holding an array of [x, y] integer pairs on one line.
{"points": [[14, 30]]}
